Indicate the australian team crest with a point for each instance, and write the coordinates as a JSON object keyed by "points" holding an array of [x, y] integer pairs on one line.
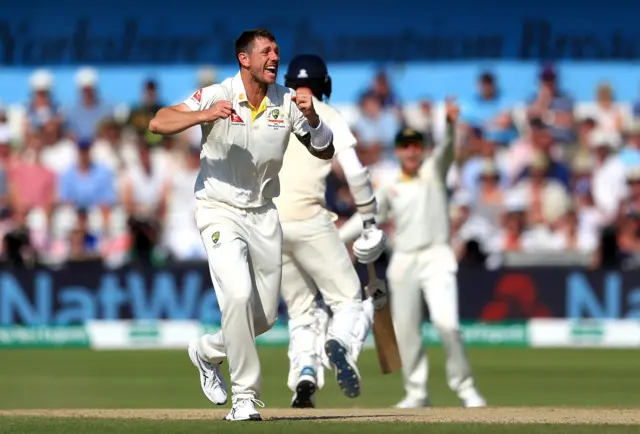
{"points": [[275, 119], [215, 237]]}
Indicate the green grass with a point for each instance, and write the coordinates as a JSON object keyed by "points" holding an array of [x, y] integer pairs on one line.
{"points": [[166, 379], [21, 425], [50, 379]]}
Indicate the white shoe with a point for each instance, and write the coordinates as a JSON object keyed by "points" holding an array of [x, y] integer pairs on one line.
{"points": [[305, 389], [412, 403], [472, 399], [212, 381], [244, 409]]}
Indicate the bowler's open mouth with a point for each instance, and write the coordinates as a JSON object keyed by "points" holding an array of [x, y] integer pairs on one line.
{"points": [[272, 69]]}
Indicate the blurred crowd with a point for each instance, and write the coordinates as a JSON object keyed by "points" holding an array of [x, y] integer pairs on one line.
{"points": [[548, 178], [90, 182]]}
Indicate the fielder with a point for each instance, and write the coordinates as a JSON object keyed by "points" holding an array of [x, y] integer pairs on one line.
{"points": [[314, 257], [423, 265], [246, 123]]}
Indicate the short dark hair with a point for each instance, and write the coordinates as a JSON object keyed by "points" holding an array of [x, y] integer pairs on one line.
{"points": [[245, 41]]}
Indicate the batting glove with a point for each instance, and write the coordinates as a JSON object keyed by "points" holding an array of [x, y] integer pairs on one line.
{"points": [[370, 245]]}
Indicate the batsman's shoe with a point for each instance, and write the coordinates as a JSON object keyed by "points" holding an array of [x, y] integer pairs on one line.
{"points": [[305, 389], [472, 399], [244, 409], [347, 373], [412, 403], [212, 381]]}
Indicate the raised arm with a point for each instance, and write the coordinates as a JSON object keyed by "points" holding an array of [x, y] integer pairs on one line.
{"points": [[444, 155], [205, 105], [314, 134]]}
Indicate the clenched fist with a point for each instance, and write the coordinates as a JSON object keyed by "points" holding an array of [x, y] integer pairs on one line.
{"points": [[452, 111], [220, 110], [304, 100]]}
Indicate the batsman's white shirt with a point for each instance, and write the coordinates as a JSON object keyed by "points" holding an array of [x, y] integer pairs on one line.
{"points": [[314, 258], [303, 177], [242, 155]]}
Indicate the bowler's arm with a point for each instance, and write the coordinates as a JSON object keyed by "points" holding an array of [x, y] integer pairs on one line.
{"points": [[178, 118], [318, 139]]}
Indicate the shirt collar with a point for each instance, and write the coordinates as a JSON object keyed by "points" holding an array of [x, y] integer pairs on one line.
{"points": [[240, 92]]}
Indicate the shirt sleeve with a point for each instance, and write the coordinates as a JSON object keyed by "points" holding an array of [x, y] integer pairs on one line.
{"points": [[205, 97]]}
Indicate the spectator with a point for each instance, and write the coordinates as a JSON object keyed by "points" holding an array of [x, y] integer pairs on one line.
{"points": [[375, 128], [145, 188], [606, 113], [541, 142], [508, 237], [485, 149], [489, 111], [145, 201], [381, 89], [570, 236], [554, 106], [470, 232], [109, 149], [5, 153], [547, 197], [88, 184], [585, 127], [630, 153], [143, 113], [491, 194], [42, 111], [31, 185], [581, 169], [590, 220], [84, 118], [83, 243], [631, 202], [182, 235], [18, 250], [608, 179]]}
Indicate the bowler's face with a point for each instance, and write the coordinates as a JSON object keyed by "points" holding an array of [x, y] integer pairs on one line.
{"points": [[264, 60]]}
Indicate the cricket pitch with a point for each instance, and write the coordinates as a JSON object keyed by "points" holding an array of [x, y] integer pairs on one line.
{"points": [[490, 415]]}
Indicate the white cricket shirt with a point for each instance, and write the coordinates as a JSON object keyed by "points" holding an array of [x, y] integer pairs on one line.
{"points": [[303, 176], [418, 206], [242, 155]]}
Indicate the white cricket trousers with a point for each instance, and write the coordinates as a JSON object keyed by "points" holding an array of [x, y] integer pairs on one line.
{"points": [[314, 259], [244, 249], [428, 275]]}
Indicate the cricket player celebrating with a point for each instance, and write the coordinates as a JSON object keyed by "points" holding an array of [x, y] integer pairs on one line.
{"points": [[423, 265], [314, 256], [246, 123]]}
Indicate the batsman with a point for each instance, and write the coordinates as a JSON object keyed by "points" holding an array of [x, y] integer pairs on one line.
{"points": [[423, 265], [314, 258]]}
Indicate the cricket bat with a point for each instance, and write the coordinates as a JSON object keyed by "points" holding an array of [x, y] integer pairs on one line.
{"points": [[383, 332]]}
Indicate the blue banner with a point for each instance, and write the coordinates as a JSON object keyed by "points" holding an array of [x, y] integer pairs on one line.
{"points": [[125, 32], [80, 293]]}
